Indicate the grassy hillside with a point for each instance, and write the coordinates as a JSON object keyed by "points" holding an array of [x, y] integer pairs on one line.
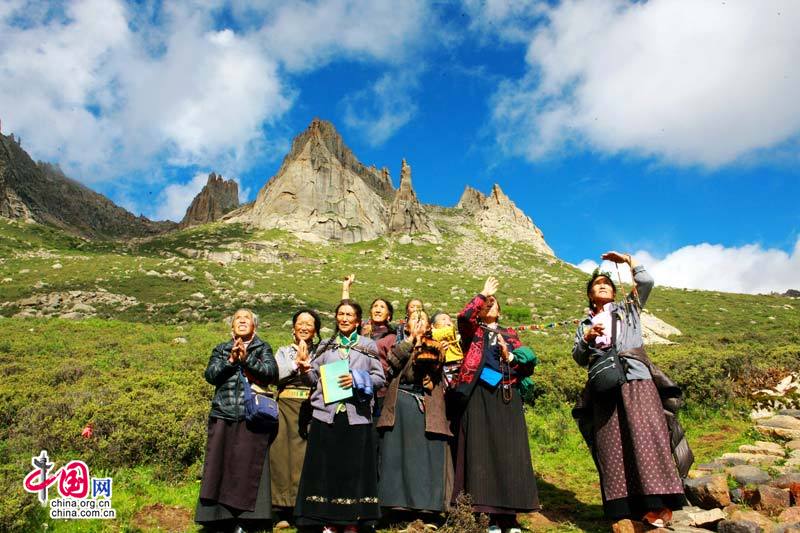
{"points": [[133, 368]]}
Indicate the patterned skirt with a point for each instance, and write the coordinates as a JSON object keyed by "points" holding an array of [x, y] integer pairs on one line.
{"points": [[339, 484], [633, 454]]}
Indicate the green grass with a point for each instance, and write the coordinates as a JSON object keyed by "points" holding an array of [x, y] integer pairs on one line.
{"points": [[148, 402]]}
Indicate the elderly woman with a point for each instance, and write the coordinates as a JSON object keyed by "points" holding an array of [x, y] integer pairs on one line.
{"points": [[338, 486], [381, 311], [625, 425], [378, 328], [415, 466], [235, 490], [493, 459], [289, 449], [412, 306]]}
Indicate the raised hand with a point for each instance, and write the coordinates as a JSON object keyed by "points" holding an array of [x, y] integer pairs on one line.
{"points": [[616, 257], [595, 331], [418, 330], [346, 284], [301, 361], [238, 351], [490, 286]]}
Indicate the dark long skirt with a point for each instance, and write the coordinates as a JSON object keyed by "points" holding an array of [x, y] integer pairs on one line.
{"points": [[493, 458], [288, 452], [415, 468], [633, 455], [236, 475], [339, 484]]}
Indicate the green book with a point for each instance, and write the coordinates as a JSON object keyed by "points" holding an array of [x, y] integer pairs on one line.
{"points": [[330, 374]]}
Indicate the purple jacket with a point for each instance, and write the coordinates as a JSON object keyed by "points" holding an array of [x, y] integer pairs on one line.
{"points": [[363, 356]]}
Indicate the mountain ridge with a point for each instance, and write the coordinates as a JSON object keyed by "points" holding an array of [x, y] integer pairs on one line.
{"points": [[41, 192]]}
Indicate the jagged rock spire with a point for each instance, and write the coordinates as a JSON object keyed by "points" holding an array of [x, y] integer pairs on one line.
{"points": [[498, 215], [406, 214], [323, 191], [218, 197]]}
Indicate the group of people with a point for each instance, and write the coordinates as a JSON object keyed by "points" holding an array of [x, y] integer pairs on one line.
{"points": [[399, 419]]}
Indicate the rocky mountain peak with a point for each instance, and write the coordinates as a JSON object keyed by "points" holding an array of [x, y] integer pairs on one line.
{"points": [[497, 214], [321, 191], [41, 192], [406, 214], [218, 197], [321, 142]]}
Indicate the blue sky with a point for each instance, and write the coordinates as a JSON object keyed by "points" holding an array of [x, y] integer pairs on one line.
{"points": [[669, 129]]}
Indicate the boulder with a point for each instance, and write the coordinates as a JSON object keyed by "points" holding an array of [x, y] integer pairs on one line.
{"points": [[793, 445], [790, 516], [782, 421], [786, 528], [778, 432], [763, 447], [706, 519], [786, 481], [752, 516], [748, 475], [709, 491], [772, 500], [83, 308], [628, 526], [738, 526], [749, 458]]}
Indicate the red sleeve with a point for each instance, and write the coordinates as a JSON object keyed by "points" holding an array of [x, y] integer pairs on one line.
{"points": [[468, 318]]}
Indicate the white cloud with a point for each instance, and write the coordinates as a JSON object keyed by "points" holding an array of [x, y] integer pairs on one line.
{"points": [[511, 20], [380, 110], [685, 81], [110, 89], [305, 35], [746, 269]]}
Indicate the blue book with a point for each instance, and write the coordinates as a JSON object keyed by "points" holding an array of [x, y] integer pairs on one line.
{"points": [[490, 376], [329, 374]]}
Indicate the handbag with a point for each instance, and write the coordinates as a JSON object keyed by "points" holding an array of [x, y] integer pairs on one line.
{"points": [[260, 411], [607, 371]]}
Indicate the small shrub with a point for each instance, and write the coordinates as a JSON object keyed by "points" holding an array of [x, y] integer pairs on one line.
{"points": [[462, 519]]}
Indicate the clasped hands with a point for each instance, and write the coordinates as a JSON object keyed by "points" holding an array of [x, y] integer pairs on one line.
{"points": [[238, 352]]}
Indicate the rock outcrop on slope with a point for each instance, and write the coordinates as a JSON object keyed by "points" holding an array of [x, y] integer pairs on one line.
{"points": [[406, 214], [41, 192], [498, 215], [216, 199], [322, 191]]}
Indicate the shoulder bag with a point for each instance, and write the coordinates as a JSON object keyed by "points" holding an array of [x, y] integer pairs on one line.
{"points": [[260, 411], [607, 371]]}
